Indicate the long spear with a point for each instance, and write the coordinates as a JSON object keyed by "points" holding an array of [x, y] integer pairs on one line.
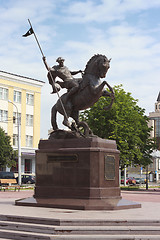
{"points": [[31, 31]]}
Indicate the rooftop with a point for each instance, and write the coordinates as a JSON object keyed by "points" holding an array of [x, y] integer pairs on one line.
{"points": [[158, 99], [13, 74]]}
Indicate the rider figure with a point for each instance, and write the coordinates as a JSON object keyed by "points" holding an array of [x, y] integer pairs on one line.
{"points": [[63, 73]]}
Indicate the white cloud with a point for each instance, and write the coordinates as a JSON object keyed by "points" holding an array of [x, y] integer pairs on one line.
{"points": [[106, 10]]}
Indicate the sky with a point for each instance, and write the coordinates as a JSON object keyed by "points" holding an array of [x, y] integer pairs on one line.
{"points": [[128, 31]]}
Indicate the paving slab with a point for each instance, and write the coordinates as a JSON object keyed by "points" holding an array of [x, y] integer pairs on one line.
{"points": [[17, 222], [150, 210]]}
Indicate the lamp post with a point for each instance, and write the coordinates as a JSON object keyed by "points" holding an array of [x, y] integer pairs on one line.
{"points": [[19, 144]]}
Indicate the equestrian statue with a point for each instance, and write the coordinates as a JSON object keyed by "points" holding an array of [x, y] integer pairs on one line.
{"points": [[81, 93]]}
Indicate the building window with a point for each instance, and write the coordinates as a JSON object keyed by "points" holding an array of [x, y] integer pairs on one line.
{"points": [[15, 140], [29, 120], [157, 127], [3, 116], [30, 99], [29, 141], [15, 117], [28, 166], [17, 96], [158, 164], [15, 168], [151, 165], [3, 93]]}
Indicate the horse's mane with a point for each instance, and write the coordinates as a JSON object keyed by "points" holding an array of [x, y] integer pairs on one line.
{"points": [[92, 60]]}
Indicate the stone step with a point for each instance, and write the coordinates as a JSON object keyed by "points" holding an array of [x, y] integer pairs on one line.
{"points": [[88, 237], [10, 235], [27, 227], [26, 219], [104, 222], [79, 230], [78, 222], [107, 230], [31, 228], [103, 237], [5, 238], [30, 231], [18, 235]]}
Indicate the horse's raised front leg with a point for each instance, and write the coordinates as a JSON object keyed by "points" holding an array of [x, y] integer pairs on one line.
{"points": [[111, 94], [95, 90], [105, 93]]}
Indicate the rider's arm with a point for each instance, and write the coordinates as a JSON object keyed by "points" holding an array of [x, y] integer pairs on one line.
{"points": [[46, 64], [76, 72]]}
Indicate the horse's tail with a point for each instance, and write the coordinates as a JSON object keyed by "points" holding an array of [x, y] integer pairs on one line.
{"points": [[53, 117]]}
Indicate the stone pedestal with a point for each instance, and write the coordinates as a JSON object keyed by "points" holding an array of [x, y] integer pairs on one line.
{"points": [[77, 168], [80, 173]]}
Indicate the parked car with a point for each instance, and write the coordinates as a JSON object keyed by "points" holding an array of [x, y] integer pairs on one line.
{"points": [[140, 180], [7, 175], [122, 180], [132, 181], [129, 180], [27, 179]]}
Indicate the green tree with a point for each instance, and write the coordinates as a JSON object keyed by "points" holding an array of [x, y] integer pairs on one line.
{"points": [[7, 154], [126, 123]]}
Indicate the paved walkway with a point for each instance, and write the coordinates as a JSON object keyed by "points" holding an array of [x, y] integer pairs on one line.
{"points": [[150, 210], [142, 196]]}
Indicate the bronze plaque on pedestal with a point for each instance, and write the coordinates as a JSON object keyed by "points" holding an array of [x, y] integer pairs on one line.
{"points": [[62, 158], [109, 169]]}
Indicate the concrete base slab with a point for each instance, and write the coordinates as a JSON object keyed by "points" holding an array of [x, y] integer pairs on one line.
{"points": [[79, 204]]}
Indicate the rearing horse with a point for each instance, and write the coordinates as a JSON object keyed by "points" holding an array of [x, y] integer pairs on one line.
{"points": [[90, 90]]}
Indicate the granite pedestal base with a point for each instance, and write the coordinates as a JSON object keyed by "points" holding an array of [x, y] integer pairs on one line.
{"points": [[80, 173]]}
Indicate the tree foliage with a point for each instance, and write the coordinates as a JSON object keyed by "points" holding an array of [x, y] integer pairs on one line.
{"points": [[126, 123], [7, 155]]}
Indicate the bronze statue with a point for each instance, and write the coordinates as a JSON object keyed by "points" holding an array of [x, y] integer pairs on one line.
{"points": [[83, 93], [63, 73]]}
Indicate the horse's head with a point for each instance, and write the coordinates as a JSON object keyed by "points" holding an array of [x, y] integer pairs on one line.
{"points": [[98, 65], [104, 65]]}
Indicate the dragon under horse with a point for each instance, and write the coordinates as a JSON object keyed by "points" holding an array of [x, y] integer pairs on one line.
{"points": [[90, 90]]}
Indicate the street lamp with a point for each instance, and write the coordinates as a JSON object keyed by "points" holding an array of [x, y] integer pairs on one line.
{"points": [[19, 144]]}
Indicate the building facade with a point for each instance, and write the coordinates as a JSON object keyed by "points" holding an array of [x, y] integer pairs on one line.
{"points": [[20, 99], [154, 122], [154, 167]]}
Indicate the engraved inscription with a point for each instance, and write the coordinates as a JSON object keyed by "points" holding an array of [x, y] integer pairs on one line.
{"points": [[62, 158], [109, 167]]}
